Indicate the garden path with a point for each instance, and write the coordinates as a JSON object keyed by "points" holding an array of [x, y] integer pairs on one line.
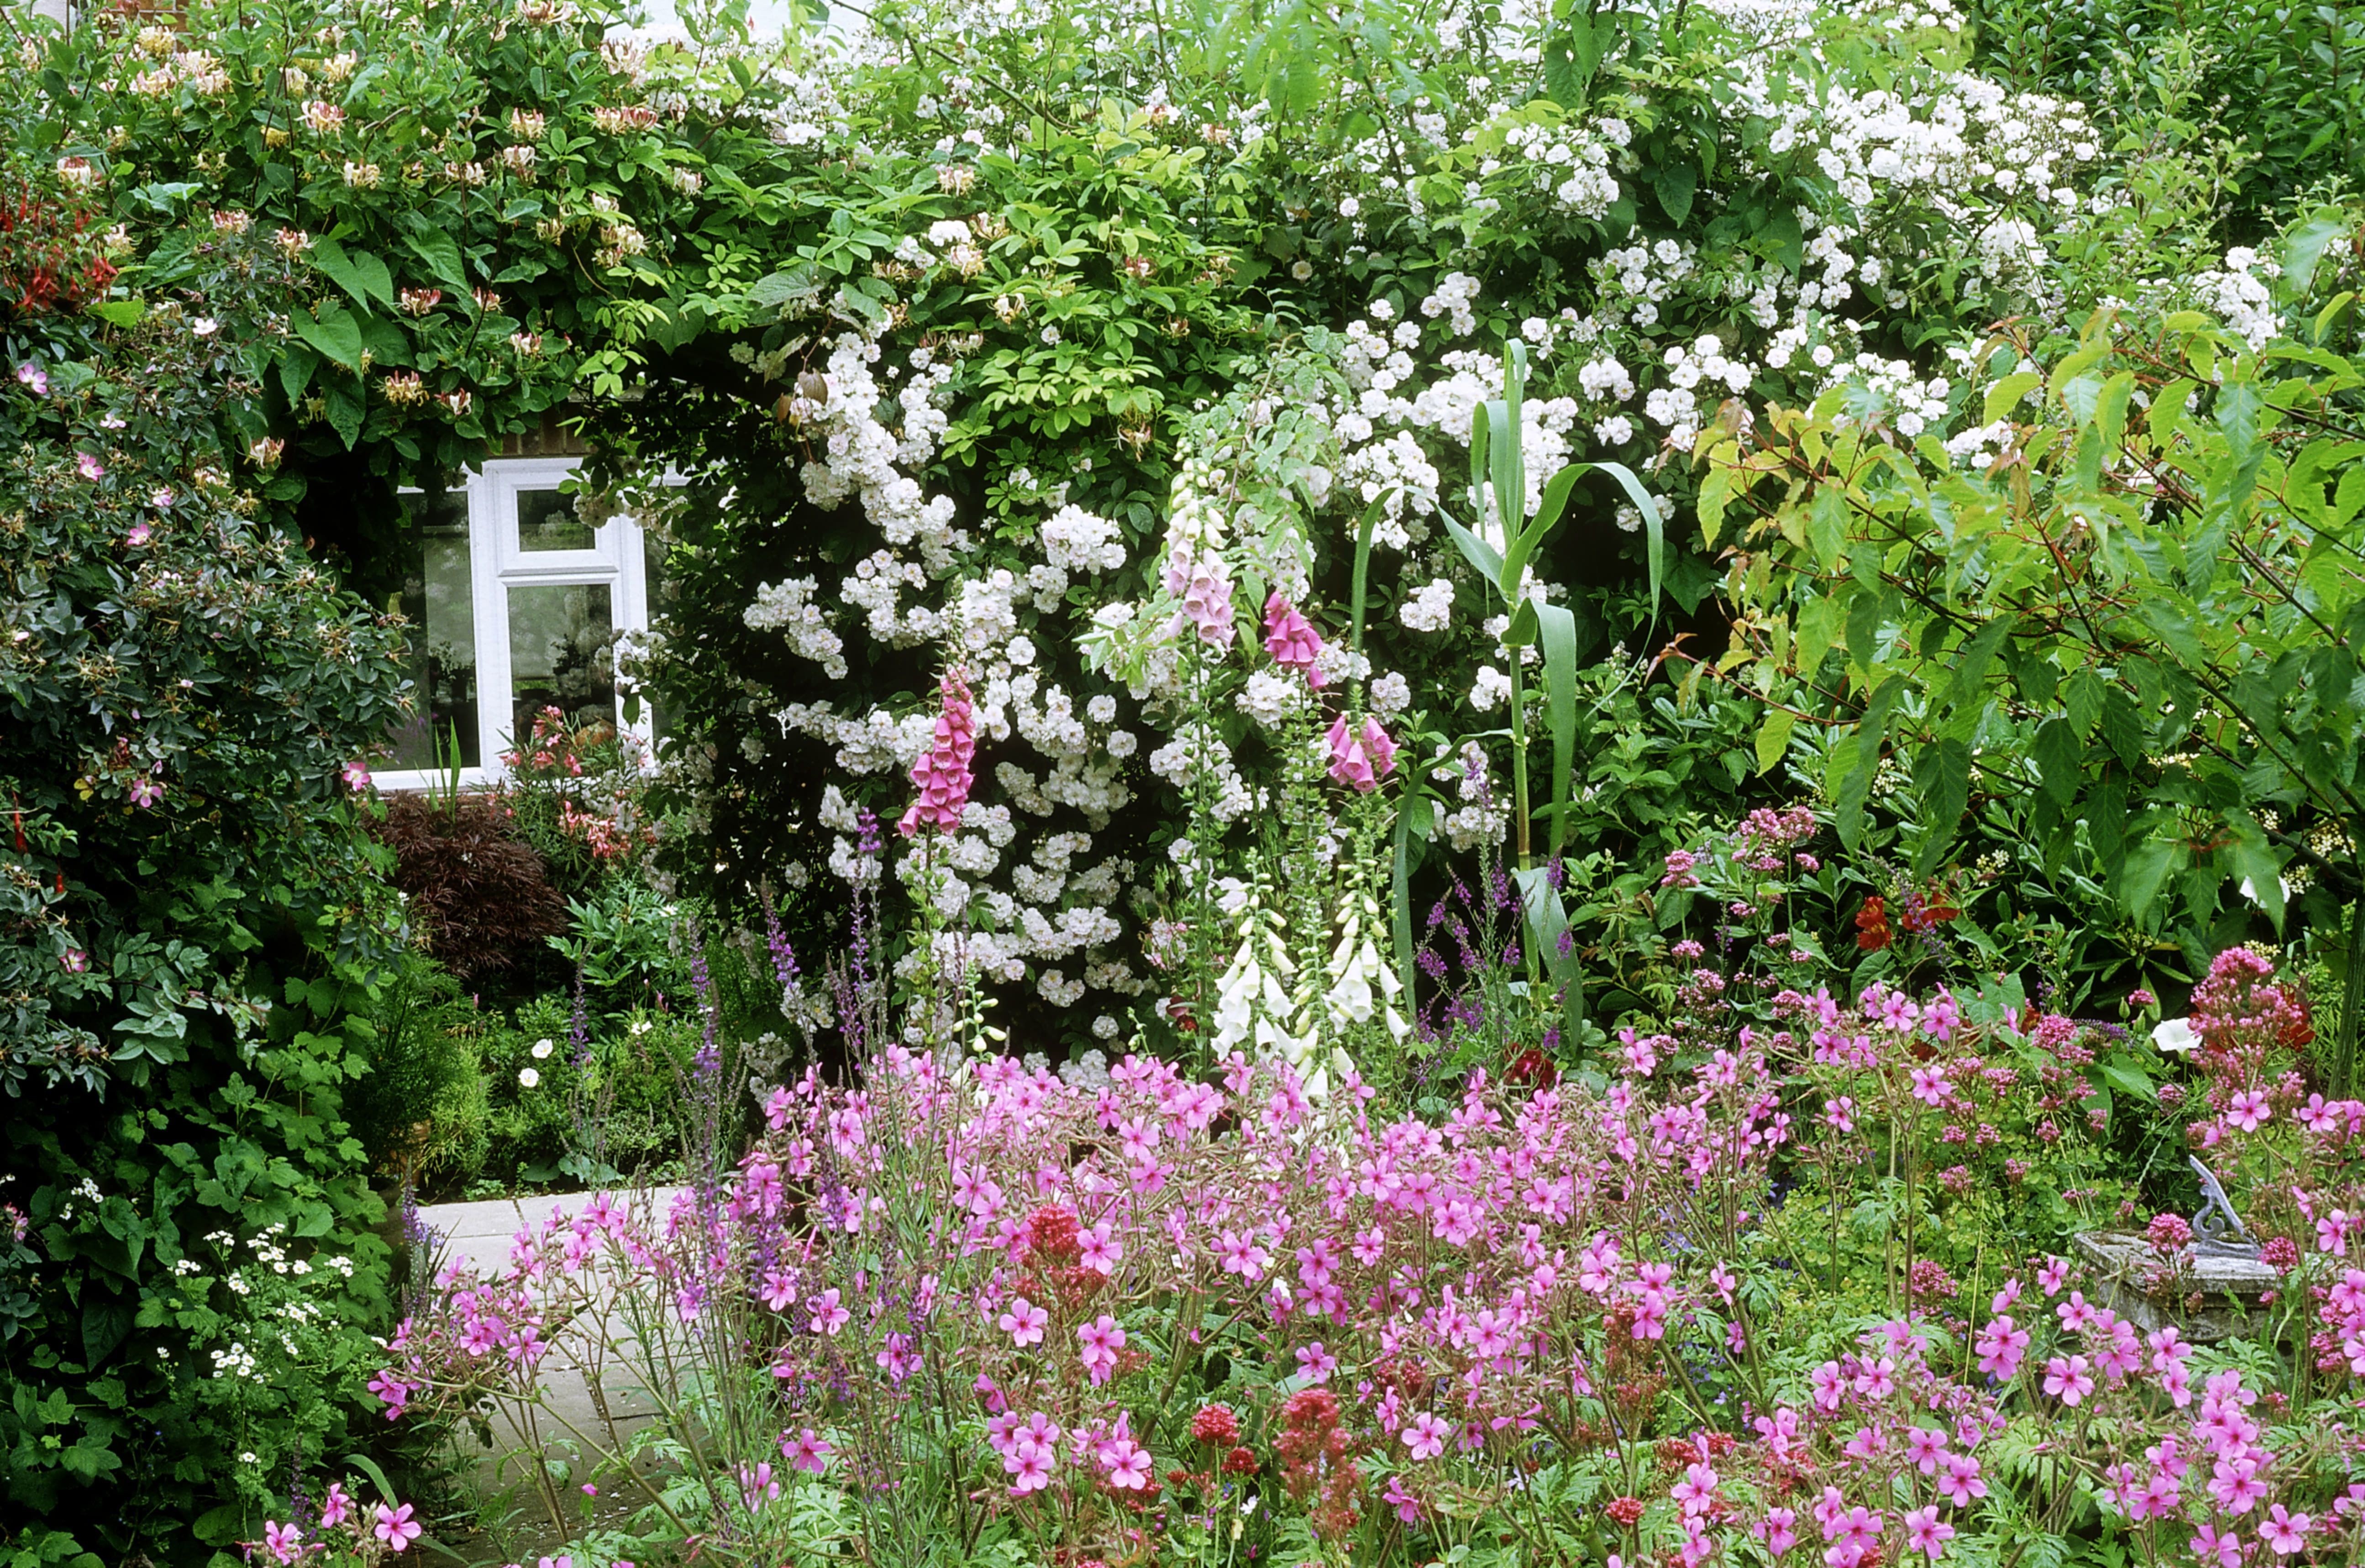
{"points": [[479, 1234]]}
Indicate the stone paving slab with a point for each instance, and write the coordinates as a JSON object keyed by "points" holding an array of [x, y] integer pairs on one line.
{"points": [[481, 1234]]}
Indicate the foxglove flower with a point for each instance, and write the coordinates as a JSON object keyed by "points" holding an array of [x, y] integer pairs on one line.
{"points": [[1292, 642], [943, 771], [1360, 758]]}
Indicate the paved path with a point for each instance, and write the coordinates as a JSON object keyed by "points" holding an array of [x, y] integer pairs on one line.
{"points": [[479, 1234]]}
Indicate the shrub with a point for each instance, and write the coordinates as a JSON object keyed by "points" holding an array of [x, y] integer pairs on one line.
{"points": [[422, 1113], [191, 918], [475, 889]]}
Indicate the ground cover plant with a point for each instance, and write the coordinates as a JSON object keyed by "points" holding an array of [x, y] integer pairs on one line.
{"points": [[1437, 786]]}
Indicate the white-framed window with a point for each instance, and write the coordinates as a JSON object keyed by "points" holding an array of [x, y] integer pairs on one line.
{"points": [[515, 605]]}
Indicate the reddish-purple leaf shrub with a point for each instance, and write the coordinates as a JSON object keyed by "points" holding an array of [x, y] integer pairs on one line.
{"points": [[475, 888]]}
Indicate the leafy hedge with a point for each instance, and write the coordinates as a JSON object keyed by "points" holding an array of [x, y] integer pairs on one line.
{"points": [[191, 918]]}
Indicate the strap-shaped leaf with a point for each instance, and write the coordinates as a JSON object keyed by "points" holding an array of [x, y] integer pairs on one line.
{"points": [[1556, 631], [1478, 553], [1363, 569], [1548, 512], [1655, 527]]}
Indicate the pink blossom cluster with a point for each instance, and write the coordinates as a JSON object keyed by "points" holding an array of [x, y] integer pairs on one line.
{"points": [[1291, 641], [1360, 755], [942, 774], [1406, 1310], [1205, 591], [365, 1530]]}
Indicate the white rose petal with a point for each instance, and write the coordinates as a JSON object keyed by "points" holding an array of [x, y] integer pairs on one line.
{"points": [[541, 1049], [529, 1077]]}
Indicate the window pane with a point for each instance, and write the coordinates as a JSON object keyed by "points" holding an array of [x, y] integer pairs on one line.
{"points": [[562, 654], [659, 598], [546, 520], [439, 600]]}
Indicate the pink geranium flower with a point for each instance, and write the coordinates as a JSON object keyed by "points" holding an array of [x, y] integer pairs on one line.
{"points": [[1425, 1435], [396, 1528], [805, 1452]]}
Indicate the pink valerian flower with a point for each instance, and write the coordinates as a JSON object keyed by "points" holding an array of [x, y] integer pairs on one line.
{"points": [[1360, 758], [337, 1507], [942, 774], [396, 1528], [806, 1451], [1292, 642]]}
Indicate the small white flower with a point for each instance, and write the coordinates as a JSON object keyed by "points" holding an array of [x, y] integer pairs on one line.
{"points": [[2176, 1035], [1301, 270], [205, 326], [541, 1049], [529, 1077]]}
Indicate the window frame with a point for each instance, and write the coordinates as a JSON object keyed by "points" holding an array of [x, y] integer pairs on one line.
{"points": [[497, 561]]}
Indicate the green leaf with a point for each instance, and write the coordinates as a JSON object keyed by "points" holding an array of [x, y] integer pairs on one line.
{"points": [[1571, 56], [1871, 735], [2146, 866], [2060, 761], [442, 255], [338, 337], [2005, 395], [1556, 631], [360, 274], [2303, 247], [1674, 187], [1943, 776], [1363, 568], [1477, 552], [1774, 738]]}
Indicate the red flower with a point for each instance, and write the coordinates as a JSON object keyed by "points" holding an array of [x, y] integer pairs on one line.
{"points": [[1872, 926], [1217, 1427]]}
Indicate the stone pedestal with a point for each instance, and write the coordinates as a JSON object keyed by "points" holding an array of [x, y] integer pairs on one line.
{"points": [[2229, 1288]]}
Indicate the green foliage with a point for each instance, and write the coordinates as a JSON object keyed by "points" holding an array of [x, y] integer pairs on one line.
{"points": [[2136, 623], [192, 919]]}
